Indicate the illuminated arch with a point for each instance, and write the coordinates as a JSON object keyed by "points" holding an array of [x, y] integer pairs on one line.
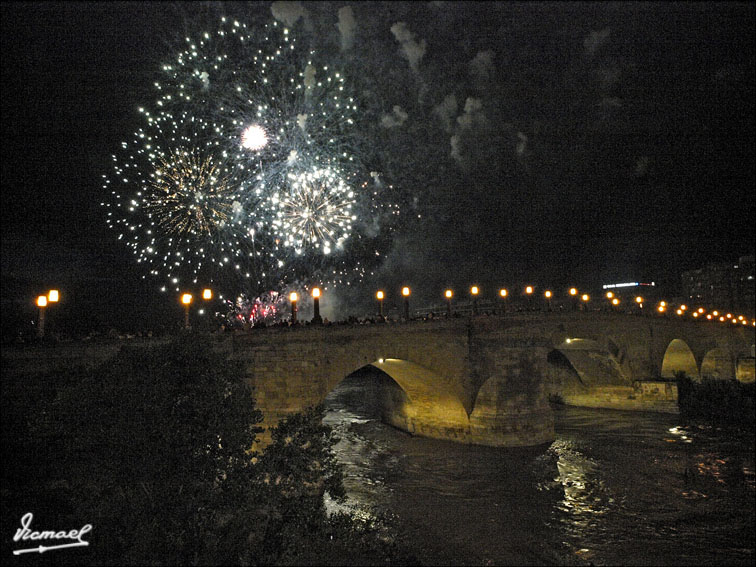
{"points": [[679, 358], [717, 365], [421, 398]]}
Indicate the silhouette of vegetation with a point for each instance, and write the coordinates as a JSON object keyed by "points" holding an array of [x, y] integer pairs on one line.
{"points": [[157, 451], [716, 401]]}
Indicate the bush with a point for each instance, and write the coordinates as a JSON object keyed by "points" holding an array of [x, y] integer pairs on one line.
{"points": [[716, 401], [156, 451]]}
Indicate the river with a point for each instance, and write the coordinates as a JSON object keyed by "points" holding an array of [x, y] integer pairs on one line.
{"points": [[614, 488]]}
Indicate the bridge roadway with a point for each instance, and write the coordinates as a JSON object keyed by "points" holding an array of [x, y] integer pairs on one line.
{"points": [[481, 380]]}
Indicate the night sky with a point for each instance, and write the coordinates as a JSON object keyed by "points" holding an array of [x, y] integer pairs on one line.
{"points": [[549, 143]]}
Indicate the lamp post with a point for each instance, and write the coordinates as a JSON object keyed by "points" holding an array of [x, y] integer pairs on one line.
{"points": [[41, 303], [293, 298], [585, 298], [186, 299], [573, 293], [615, 303], [503, 294], [379, 296], [406, 294], [529, 293], [448, 293], [474, 291], [316, 319], [639, 302], [547, 294]]}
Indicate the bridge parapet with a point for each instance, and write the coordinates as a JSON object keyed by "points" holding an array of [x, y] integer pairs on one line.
{"points": [[484, 379]]}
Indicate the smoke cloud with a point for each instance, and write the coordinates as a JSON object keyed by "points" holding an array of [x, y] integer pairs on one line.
{"points": [[394, 120], [482, 66], [595, 40], [446, 110], [347, 27], [289, 13], [412, 50]]}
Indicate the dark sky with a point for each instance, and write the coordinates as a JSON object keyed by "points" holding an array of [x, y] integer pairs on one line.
{"points": [[554, 143]]}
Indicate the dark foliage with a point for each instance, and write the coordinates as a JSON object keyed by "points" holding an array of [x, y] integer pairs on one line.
{"points": [[716, 401], [156, 450]]}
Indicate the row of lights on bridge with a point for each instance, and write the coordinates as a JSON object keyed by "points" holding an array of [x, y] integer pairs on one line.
{"points": [[53, 296]]}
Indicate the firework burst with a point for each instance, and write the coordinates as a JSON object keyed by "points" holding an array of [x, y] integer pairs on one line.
{"points": [[246, 167]]}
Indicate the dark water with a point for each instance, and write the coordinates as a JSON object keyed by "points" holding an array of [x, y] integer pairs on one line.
{"points": [[614, 488]]}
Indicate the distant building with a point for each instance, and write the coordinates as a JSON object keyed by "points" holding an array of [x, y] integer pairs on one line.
{"points": [[722, 286]]}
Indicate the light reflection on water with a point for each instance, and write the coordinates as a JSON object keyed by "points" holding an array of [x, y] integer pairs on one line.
{"points": [[613, 488]]}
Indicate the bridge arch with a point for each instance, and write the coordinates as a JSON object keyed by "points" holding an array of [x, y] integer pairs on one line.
{"points": [[717, 365], [678, 357], [594, 363], [421, 403]]}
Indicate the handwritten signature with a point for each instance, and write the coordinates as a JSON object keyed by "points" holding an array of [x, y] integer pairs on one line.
{"points": [[25, 533]]}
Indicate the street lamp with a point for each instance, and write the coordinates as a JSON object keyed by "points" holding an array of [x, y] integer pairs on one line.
{"points": [[474, 291], [186, 299], [573, 293], [207, 294], [529, 293], [615, 303], [448, 293], [317, 320], [53, 296], [503, 294], [41, 303], [406, 294], [639, 301], [585, 297], [547, 294], [379, 296], [293, 298]]}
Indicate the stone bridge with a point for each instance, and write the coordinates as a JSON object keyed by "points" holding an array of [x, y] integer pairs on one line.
{"points": [[487, 380], [482, 380]]}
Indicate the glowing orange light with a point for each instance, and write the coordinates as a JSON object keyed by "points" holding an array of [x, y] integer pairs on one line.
{"points": [[679, 311], [683, 307], [316, 292], [293, 296], [379, 295], [715, 313], [639, 299], [207, 293], [474, 290], [547, 294], [615, 301], [405, 291], [709, 317], [42, 301], [729, 315], [573, 291], [186, 298], [585, 297], [695, 314], [503, 292], [448, 293], [529, 289], [663, 303], [53, 295], [701, 309], [722, 319], [609, 295]]}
